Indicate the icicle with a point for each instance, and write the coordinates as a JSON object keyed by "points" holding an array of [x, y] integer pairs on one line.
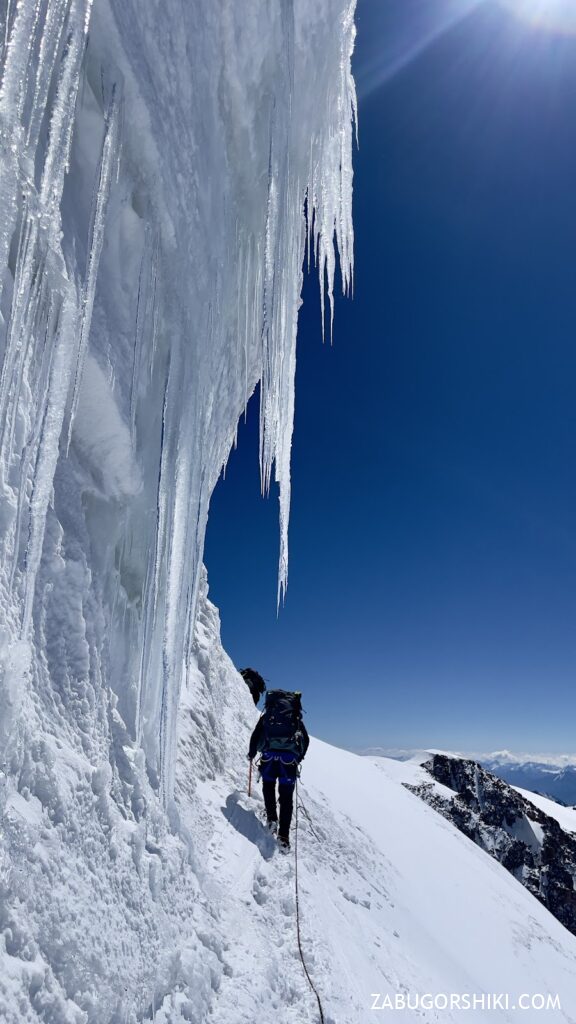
{"points": [[39, 264], [30, 452], [154, 305], [142, 319], [19, 48], [154, 569], [49, 45], [109, 152], [15, 339], [177, 560], [48, 447], [62, 119], [246, 338]]}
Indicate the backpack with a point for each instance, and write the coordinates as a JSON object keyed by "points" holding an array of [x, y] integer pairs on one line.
{"points": [[282, 721], [253, 679]]}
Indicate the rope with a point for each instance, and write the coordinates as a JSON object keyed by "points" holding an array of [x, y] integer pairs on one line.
{"points": [[310, 982], [303, 806]]}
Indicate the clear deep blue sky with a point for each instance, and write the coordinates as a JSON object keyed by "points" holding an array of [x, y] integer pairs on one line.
{"points": [[432, 586]]}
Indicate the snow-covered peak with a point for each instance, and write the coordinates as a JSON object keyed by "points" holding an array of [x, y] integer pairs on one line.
{"points": [[501, 758]]}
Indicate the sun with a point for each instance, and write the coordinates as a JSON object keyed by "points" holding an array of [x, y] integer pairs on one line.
{"points": [[554, 15]]}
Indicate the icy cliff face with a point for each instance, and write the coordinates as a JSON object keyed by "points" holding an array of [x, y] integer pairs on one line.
{"points": [[156, 161], [163, 169]]}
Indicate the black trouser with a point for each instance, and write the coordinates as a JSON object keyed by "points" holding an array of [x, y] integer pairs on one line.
{"points": [[281, 768]]}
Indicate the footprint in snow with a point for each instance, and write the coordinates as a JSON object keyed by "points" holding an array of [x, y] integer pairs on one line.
{"points": [[287, 905], [259, 889]]}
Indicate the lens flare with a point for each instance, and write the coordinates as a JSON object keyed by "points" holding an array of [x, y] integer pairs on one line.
{"points": [[554, 15]]}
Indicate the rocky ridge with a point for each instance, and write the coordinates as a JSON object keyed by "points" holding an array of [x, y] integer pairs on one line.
{"points": [[527, 842]]}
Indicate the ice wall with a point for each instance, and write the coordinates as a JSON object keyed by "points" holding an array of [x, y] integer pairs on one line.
{"points": [[163, 168]]}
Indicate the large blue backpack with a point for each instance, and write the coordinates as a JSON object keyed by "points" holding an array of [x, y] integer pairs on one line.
{"points": [[282, 722]]}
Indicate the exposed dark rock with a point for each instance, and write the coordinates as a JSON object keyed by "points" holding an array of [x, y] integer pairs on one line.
{"points": [[525, 840]]}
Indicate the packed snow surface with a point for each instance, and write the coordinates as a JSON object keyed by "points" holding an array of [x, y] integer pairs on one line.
{"points": [[565, 816], [393, 900]]}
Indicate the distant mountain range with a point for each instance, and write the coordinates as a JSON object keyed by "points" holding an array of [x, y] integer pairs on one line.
{"points": [[556, 781], [552, 775]]}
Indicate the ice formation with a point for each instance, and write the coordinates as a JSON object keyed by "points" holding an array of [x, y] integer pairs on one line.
{"points": [[163, 168]]}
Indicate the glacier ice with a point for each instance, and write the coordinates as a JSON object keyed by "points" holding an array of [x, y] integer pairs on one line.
{"points": [[164, 168]]}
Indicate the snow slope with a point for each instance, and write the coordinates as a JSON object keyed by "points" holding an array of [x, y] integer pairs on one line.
{"points": [[393, 898], [565, 816]]}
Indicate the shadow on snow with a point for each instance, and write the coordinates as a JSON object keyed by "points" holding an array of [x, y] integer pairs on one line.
{"points": [[248, 824]]}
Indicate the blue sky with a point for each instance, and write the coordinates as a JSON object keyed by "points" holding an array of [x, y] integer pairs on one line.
{"points": [[432, 586]]}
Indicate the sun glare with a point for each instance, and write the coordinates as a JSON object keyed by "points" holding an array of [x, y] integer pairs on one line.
{"points": [[555, 15]]}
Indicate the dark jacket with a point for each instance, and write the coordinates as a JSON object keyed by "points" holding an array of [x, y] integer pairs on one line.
{"points": [[258, 739], [254, 682]]}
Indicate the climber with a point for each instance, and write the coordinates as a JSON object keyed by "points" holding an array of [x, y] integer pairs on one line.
{"points": [[254, 682], [281, 737]]}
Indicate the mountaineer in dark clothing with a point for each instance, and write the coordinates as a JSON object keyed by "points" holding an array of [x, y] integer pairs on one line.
{"points": [[281, 738], [254, 682]]}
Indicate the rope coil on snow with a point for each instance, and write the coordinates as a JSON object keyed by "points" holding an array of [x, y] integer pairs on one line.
{"points": [[310, 982]]}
